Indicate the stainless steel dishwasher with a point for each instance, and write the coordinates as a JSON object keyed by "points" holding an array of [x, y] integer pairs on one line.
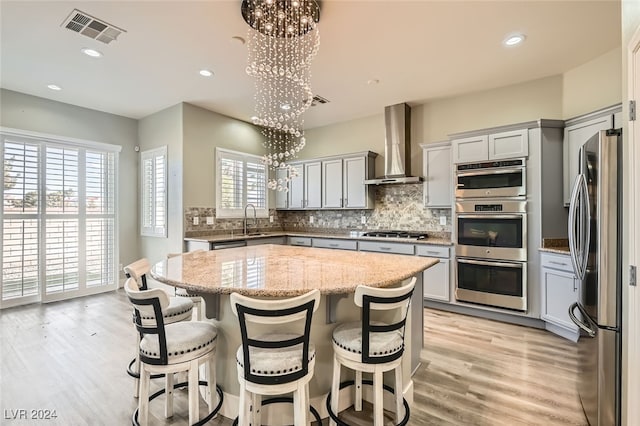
{"points": [[228, 244]]}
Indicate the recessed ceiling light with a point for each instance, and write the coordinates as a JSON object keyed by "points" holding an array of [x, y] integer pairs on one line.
{"points": [[513, 39], [54, 87], [91, 52], [373, 82], [206, 73]]}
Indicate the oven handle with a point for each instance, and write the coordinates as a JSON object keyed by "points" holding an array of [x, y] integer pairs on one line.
{"points": [[488, 215], [483, 263], [492, 172]]}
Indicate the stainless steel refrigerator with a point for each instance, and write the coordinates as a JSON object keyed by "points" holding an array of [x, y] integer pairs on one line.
{"points": [[595, 245]]}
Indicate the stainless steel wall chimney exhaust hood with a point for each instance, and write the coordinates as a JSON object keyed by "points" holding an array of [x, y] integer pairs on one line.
{"points": [[397, 147]]}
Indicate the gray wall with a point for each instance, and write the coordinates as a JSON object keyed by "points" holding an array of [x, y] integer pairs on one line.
{"points": [[25, 112]]}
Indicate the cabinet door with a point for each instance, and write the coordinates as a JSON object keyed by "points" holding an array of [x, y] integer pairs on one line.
{"points": [[437, 177], [509, 144], [560, 290], [296, 189], [332, 184], [471, 149], [282, 197], [436, 281], [354, 189], [574, 137], [313, 185]]}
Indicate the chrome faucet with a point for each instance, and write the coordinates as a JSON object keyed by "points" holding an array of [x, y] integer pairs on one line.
{"points": [[255, 219]]}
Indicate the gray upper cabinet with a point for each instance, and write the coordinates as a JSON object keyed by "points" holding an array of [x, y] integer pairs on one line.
{"points": [[282, 197], [313, 185], [576, 132], [492, 146], [332, 184], [437, 171]]}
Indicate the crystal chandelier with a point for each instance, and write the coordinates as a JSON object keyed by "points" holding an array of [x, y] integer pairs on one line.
{"points": [[283, 39]]}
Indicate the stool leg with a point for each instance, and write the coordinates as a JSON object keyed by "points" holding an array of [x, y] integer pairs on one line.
{"points": [[299, 410], [136, 367], [256, 409], [378, 406], [243, 412], [168, 391], [194, 396], [358, 401], [143, 400], [335, 388], [307, 404], [399, 391], [211, 380]]}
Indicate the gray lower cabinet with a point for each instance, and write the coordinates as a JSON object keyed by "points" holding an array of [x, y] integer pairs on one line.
{"points": [[435, 280], [334, 244], [382, 247], [299, 241], [560, 289], [269, 240]]}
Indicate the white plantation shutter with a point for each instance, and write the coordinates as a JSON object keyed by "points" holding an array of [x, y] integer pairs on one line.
{"points": [[59, 218], [241, 179], [154, 192]]}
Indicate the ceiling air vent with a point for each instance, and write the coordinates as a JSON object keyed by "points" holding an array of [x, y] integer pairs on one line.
{"points": [[319, 100], [91, 27]]}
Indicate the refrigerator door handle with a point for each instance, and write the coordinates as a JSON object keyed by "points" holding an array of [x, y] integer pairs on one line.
{"points": [[586, 226], [573, 236], [584, 327]]}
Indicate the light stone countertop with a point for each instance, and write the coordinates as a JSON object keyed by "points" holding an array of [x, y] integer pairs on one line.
{"points": [[284, 271], [347, 236], [556, 250]]}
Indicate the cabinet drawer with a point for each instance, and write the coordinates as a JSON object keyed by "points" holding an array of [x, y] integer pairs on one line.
{"points": [[268, 240], [335, 244], [432, 251], [396, 248], [300, 241], [556, 261]]}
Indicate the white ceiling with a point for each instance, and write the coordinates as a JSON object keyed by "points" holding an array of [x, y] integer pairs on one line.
{"points": [[418, 50]]}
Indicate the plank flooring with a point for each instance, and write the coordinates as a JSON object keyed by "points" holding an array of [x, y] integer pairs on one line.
{"points": [[70, 357]]}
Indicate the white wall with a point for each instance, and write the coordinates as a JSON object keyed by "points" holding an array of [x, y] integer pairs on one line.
{"points": [[593, 85], [20, 111], [203, 131], [156, 130]]}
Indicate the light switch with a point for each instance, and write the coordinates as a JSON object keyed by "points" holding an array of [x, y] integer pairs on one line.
{"points": [[209, 220], [310, 219], [196, 220], [271, 219], [363, 220], [443, 220]]}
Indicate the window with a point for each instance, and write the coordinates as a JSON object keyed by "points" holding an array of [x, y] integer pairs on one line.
{"points": [[154, 192], [241, 180], [58, 218]]}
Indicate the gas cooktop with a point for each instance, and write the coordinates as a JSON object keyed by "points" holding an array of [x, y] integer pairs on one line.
{"points": [[397, 234]]}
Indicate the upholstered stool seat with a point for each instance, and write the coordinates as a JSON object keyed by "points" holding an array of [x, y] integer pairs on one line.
{"points": [[274, 362], [372, 346], [179, 309], [169, 349], [198, 301]]}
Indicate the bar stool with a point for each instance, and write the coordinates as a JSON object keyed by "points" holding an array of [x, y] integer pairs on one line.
{"points": [[179, 309], [171, 348], [277, 362], [198, 302], [372, 347]]}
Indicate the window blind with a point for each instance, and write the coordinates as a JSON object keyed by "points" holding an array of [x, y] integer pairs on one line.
{"points": [[154, 192], [241, 180]]}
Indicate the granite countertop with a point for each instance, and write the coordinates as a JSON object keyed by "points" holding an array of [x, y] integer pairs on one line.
{"points": [[284, 271], [555, 245], [349, 236]]}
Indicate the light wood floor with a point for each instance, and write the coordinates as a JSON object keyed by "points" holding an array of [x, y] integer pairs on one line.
{"points": [[70, 357]]}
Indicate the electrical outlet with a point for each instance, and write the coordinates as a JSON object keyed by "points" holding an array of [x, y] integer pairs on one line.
{"points": [[209, 220], [196, 220], [443, 220], [363, 220], [270, 218], [310, 219]]}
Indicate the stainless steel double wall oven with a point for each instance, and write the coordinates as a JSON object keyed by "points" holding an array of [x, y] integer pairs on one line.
{"points": [[491, 230]]}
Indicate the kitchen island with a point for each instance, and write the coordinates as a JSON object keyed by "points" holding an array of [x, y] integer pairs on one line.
{"points": [[286, 271]]}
